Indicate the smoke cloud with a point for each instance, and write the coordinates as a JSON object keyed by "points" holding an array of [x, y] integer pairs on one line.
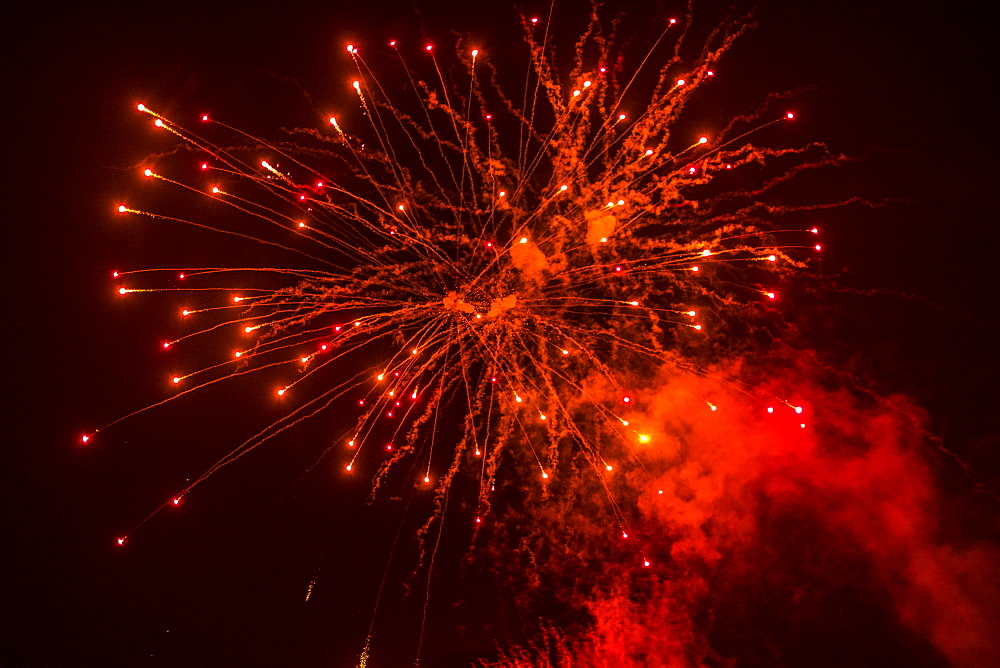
{"points": [[773, 543]]}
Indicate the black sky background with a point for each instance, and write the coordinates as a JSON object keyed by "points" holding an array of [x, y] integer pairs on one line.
{"points": [[908, 85]]}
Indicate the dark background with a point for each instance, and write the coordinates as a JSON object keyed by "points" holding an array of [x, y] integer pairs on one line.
{"points": [[905, 85]]}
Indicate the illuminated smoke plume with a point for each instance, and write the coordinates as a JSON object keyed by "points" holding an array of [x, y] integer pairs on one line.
{"points": [[774, 538]]}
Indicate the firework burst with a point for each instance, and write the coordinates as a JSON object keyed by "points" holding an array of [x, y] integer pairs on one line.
{"points": [[484, 278]]}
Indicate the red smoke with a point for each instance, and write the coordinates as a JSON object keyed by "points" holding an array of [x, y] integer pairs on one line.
{"points": [[774, 544]]}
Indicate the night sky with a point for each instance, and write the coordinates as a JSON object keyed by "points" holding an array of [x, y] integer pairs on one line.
{"points": [[904, 86]]}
